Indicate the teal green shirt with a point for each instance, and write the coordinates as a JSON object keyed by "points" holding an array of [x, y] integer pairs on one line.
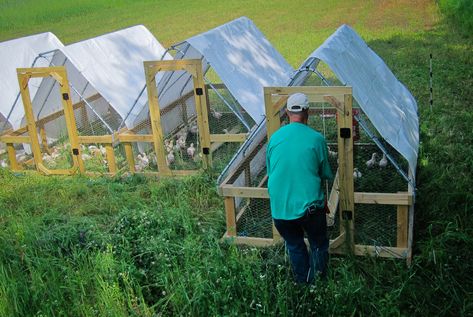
{"points": [[296, 162]]}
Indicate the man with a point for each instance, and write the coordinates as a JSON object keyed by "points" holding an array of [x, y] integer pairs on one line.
{"points": [[297, 163]]}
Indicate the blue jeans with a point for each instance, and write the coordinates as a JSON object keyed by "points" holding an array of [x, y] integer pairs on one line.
{"points": [[303, 265]]}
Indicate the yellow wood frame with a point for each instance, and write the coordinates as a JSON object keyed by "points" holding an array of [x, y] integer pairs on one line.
{"points": [[60, 75], [193, 67], [342, 195]]}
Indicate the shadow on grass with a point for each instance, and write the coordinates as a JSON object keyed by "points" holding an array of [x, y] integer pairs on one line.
{"points": [[443, 230]]}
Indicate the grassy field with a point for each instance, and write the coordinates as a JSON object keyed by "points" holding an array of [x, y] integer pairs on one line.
{"points": [[75, 246]]}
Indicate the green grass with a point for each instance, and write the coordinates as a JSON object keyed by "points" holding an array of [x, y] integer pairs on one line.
{"points": [[132, 246]]}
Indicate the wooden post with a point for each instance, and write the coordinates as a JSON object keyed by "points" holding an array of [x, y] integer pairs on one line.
{"points": [[230, 216], [23, 79], [273, 121], [112, 165], [70, 119], [410, 236], [345, 168], [129, 156], [12, 157], [402, 222], [151, 69], [44, 139], [202, 113]]}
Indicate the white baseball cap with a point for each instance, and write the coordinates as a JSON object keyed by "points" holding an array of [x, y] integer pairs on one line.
{"points": [[297, 102]]}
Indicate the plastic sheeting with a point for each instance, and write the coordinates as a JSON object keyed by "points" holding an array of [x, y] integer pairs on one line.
{"points": [[245, 61], [110, 65], [20, 53], [386, 101]]}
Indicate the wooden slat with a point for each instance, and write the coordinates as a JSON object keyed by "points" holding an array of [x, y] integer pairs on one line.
{"points": [[112, 165], [238, 137], [89, 139], [14, 166], [384, 252], [250, 241], [129, 157], [404, 199], [15, 139], [125, 137], [402, 229], [310, 90], [230, 216], [247, 192], [337, 242]]}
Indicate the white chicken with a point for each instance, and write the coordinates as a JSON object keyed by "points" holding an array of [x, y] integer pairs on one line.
{"points": [[85, 157], [95, 151], [55, 153], [170, 158], [370, 163], [103, 150], [183, 133], [169, 145], [176, 147], [331, 153], [49, 160], [356, 173], [181, 142], [191, 150], [217, 115], [20, 158], [142, 160], [384, 161], [193, 128]]}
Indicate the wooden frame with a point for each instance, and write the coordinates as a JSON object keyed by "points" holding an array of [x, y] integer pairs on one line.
{"points": [[209, 143], [342, 197], [193, 67], [60, 75]]}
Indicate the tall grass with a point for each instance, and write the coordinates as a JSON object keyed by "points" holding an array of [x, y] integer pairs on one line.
{"points": [[460, 12], [78, 246]]}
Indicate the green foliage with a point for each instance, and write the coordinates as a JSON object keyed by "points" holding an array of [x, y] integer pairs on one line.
{"points": [[460, 12]]}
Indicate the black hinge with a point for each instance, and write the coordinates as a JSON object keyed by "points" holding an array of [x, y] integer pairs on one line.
{"points": [[75, 151], [347, 215], [206, 150], [345, 133], [65, 96], [199, 91]]}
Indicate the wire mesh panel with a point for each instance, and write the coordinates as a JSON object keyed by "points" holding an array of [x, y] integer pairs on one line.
{"points": [[254, 218], [52, 128], [226, 118], [176, 116], [376, 225]]}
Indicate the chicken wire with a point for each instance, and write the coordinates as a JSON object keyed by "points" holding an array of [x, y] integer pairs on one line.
{"points": [[225, 116], [93, 117], [374, 224]]}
